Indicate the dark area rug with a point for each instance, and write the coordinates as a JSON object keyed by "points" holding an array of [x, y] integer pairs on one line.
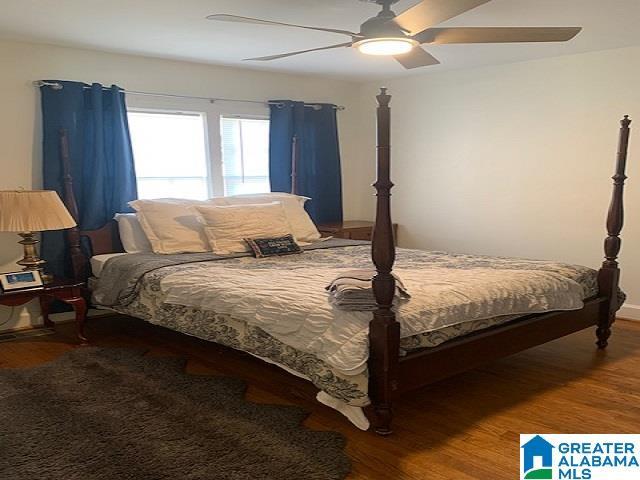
{"points": [[115, 414]]}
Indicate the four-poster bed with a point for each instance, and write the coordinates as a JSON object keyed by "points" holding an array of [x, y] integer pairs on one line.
{"points": [[390, 373]]}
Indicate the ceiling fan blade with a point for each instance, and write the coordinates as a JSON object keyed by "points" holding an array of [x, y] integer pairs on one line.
{"points": [[496, 34], [284, 55], [432, 12], [223, 17], [416, 58]]}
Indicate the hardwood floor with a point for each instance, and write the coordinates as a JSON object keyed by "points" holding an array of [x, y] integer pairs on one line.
{"points": [[465, 427]]}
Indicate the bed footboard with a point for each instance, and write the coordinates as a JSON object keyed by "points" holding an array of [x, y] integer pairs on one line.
{"points": [[389, 375]]}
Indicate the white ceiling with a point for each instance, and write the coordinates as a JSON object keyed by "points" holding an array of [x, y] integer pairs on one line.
{"points": [[178, 30]]}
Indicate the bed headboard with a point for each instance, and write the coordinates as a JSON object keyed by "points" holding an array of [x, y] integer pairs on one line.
{"points": [[83, 244]]}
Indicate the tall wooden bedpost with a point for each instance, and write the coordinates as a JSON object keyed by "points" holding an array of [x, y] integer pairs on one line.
{"points": [[69, 198], [295, 153], [609, 276], [384, 330]]}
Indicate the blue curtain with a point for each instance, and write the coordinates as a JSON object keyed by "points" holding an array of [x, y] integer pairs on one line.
{"points": [[101, 157], [318, 173]]}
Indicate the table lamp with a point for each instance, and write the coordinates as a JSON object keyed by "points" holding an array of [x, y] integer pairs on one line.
{"points": [[29, 211]]}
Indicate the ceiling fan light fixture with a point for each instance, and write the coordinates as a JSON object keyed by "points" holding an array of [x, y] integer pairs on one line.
{"points": [[386, 46]]}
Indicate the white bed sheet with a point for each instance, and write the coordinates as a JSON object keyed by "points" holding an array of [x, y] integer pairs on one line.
{"points": [[98, 261]]}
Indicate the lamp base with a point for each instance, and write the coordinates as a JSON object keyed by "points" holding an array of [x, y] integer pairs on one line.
{"points": [[31, 260]]}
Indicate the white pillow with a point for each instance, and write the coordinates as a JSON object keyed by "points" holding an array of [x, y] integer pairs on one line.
{"points": [[132, 236], [226, 227], [171, 225], [303, 228]]}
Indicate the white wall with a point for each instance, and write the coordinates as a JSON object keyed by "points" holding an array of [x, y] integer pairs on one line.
{"points": [[517, 159], [507, 160], [20, 148]]}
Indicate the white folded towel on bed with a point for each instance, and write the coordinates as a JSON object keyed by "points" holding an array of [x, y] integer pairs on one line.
{"points": [[353, 290]]}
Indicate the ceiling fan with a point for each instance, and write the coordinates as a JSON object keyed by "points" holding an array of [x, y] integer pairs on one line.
{"points": [[401, 35]]}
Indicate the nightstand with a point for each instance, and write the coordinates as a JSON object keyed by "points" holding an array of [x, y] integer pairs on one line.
{"points": [[67, 291], [351, 229]]}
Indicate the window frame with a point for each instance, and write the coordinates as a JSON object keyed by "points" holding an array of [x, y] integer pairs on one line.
{"points": [[213, 112], [237, 117]]}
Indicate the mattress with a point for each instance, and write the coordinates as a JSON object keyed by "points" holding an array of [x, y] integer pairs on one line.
{"points": [[98, 261], [286, 297]]}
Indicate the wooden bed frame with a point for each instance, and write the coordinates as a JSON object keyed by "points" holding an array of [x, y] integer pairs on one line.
{"points": [[390, 375]]}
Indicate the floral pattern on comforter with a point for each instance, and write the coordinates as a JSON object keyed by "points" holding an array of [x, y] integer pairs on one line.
{"points": [[148, 305], [286, 298], [144, 297]]}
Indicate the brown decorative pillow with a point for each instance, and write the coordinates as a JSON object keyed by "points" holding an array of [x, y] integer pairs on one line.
{"points": [[269, 247]]}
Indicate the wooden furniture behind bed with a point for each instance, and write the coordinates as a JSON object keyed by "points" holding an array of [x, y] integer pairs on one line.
{"points": [[351, 229], [390, 374]]}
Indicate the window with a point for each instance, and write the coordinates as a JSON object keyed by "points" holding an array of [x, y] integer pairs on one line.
{"points": [[245, 155], [170, 154], [185, 148]]}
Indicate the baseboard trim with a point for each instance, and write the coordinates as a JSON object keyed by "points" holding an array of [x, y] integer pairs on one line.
{"points": [[630, 312]]}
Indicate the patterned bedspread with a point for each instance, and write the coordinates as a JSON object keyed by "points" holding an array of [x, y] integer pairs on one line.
{"points": [[277, 308]]}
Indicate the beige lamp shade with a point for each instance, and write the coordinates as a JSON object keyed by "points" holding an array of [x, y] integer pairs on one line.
{"points": [[33, 211]]}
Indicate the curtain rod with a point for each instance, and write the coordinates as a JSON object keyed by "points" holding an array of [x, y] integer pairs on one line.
{"points": [[59, 86]]}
